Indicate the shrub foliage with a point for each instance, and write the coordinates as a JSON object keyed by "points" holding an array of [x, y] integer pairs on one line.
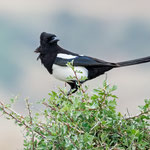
{"points": [[82, 121]]}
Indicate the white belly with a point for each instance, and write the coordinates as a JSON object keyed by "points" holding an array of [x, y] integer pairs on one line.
{"points": [[62, 72]]}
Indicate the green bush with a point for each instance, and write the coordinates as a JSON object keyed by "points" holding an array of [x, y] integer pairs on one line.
{"points": [[82, 121]]}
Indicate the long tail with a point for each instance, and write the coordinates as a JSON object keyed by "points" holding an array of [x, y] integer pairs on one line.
{"points": [[133, 62]]}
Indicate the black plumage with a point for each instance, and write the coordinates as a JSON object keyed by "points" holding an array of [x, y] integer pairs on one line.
{"points": [[55, 58]]}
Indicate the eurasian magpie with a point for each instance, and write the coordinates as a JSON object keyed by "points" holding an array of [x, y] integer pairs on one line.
{"points": [[55, 58]]}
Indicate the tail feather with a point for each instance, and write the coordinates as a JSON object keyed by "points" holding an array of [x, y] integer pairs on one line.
{"points": [[133, 62]]}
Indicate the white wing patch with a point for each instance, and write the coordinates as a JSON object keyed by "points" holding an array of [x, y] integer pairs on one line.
{"points": [[65, 56], [62, 72]]}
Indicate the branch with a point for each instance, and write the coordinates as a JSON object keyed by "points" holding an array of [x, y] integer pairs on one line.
{"points": [[73, 143], [67, 124], [133, 117], [65, 95], [78, 80], [29, 111], [47, 105], [3, 107]]}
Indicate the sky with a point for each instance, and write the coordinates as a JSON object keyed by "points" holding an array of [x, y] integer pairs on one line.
{"points": [[114, 31]]}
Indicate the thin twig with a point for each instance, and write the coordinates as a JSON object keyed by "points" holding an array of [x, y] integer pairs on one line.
{"points": [[78, 80], [73, 143], [71, 119], [17, 119], [143, 113], [47, 105], [128, 112], [67, 124], [44, 128], [29, 110], [31, 123], [65, 95]]}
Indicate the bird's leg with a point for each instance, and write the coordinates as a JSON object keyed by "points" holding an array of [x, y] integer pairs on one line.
{"points": [[71, 91], [74, 87]]}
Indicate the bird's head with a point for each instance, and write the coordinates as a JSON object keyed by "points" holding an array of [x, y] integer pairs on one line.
{"points": [[47, 40]]}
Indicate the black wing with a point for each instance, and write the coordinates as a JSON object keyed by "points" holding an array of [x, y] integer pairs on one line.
{"points": [[83, 61]]}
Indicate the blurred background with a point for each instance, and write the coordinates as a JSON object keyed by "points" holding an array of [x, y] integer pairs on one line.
{"points": [[110, 30]]}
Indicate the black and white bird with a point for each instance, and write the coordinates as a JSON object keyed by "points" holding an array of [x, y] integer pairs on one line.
{"points": [[55, 58]]}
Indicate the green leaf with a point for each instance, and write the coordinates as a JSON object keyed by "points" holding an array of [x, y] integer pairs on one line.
{"points": [[113, 88], [12, 100]]}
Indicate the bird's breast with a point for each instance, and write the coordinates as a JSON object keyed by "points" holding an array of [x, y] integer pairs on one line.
{"points": [[63, 72]]}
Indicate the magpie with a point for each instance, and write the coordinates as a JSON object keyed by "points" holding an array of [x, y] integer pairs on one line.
{"points": [[55, 60]]}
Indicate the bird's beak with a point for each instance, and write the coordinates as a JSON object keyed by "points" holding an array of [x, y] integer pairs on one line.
{"points": [[54, 39], [37, 50]]}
